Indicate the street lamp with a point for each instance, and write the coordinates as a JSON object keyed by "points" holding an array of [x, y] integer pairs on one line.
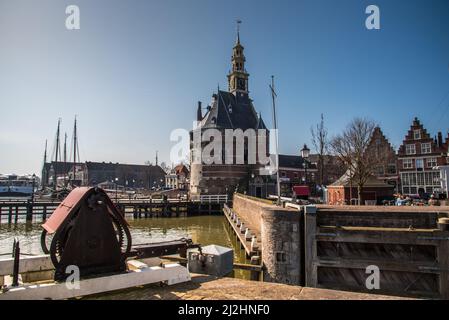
{"points": [[305, 152]]}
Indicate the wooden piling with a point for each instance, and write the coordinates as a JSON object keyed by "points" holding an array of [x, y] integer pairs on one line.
{"points": [[29, 216], [255, 275], [10, 215], [15, 276]]}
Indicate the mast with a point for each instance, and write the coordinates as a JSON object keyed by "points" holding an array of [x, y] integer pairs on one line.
{"points": [[65, 147], [65, 158], [274, 95], [58, 146], [75, 149]]}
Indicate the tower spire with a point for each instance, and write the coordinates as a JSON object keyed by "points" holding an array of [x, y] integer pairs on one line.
{"points": [[239, 22], [238, 77], [45, 152]]}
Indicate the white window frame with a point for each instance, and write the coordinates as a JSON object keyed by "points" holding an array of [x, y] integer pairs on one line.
{"points": [[426, 148], [417, 134], [408, 148], [431, 160], [407, 163]]}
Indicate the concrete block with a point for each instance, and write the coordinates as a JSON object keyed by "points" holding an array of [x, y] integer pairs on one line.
{"points": [[216, 261]]}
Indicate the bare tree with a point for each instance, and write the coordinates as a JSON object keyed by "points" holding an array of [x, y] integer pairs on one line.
{"points": [[356, 150], [321, 143]]}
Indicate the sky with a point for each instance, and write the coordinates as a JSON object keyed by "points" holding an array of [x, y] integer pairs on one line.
{"points": [[135, 70]]}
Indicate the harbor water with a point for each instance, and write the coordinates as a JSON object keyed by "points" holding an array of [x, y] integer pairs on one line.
{"points": [[205, 230]]}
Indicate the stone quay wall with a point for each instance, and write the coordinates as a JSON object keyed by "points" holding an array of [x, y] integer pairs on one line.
{"points": [[332, 247], [280, 236]]}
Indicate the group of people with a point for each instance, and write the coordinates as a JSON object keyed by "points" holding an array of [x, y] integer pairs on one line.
{"points": [[402, 200]]}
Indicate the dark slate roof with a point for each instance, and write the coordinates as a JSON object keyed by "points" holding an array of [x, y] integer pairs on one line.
{"points": [[231, 112], [286, 161]]}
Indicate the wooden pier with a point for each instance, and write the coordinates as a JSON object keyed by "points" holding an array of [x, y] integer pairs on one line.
{"points": [[139, 208]]}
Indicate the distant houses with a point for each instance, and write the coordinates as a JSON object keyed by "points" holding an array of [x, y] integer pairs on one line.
{"points": [[418, 159], [416, 169]]}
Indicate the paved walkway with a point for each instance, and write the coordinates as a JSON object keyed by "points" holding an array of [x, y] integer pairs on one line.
{"points": [[211, 288]]}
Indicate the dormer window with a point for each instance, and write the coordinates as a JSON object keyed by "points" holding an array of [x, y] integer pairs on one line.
{"points": [[214, 120], [230, 108], [416, 134]]}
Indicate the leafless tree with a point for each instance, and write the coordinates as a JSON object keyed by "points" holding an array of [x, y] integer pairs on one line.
{"points": [[321, 143], [357, 151]]}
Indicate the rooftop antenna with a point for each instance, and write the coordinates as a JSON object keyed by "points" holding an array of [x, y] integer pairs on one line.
{"points": [[156, 159]]}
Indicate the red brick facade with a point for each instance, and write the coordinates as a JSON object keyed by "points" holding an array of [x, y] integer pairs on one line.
{"points": [[417, 156]]}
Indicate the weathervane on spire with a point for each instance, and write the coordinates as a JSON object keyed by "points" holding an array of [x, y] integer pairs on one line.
{"points": [[238, 21]]}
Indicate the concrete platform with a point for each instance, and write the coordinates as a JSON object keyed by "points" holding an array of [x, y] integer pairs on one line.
{"points": [[212, 288]]}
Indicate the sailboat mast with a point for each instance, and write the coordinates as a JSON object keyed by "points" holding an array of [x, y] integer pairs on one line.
{"points": [[75, 147], [58, 149], [65, 147]]}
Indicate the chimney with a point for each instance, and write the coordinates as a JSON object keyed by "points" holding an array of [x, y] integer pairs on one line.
{"points": [[199, 115], [440, 139]]}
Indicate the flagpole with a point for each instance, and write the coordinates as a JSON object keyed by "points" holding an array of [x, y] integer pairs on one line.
{"points": [[273, 95]]}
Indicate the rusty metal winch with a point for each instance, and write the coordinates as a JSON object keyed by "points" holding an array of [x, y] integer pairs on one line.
{"points": [[90, 232]]}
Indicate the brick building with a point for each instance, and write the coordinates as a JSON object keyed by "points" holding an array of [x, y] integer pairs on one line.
{"points": [[387, 170], [229, 110], [178, 178], [127, 175], [343, 191], [333, 169], [418, 155], [295, 170]]}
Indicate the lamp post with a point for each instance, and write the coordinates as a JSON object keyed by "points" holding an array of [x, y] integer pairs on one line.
{"points": [[305, 152]]}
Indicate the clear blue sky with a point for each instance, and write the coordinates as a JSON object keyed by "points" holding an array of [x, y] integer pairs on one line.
{"points": [[136, 69]]}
